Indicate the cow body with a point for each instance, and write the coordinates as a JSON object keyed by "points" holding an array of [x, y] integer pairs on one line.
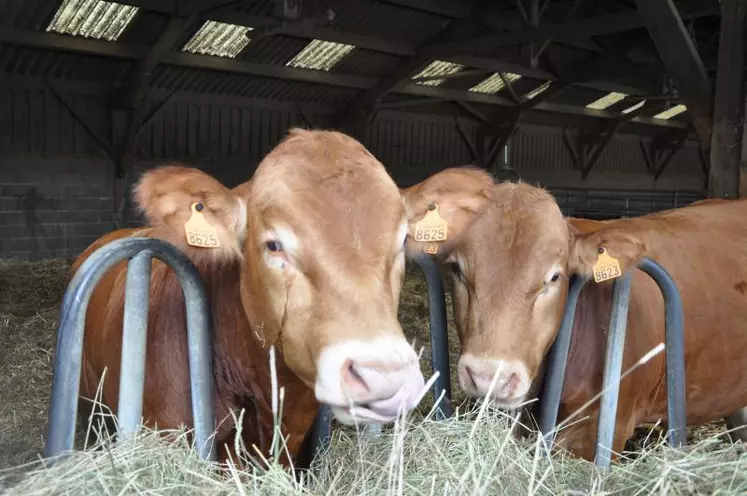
{"points": [[310, 260], [511, 262]]}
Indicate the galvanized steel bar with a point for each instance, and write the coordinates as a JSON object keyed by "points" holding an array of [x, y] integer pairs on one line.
{"points": [[612, 369], [321, 429], [557, 361], [134, 338], [70, 331], [675, 351], [439, 334]]}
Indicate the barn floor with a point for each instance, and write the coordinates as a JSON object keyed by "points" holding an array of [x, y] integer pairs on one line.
{"points": [[30, 293]]}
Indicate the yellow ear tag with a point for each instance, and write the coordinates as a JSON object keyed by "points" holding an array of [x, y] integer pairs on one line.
{"points": [[199, 232], [431, 228], [606, 267], [431, 248]]}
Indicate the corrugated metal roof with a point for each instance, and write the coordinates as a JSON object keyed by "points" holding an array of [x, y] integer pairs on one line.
{"points": [[437, 68], [671, 112], [364, 62], [92, 19], [320, 55], [61, 65], [494, 83], [606, 101], [218, 39]]}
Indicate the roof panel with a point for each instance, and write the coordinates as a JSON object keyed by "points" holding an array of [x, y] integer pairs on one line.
{"points": [[320, 55], [218, 39], [437, 68], [539, 89], [494, 83], [606, 101], [92, 19], [671, 112]]}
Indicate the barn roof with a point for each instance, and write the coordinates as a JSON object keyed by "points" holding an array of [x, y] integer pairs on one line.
{"points": [[559, 62]]}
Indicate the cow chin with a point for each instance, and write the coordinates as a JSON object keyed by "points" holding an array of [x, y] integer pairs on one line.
{"points": [[369, 381]]}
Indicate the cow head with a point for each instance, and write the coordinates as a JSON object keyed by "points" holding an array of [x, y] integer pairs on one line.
{"points": [[510, 256], [319, 237]]}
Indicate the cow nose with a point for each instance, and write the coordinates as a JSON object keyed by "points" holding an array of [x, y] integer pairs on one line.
{"points": [[511, 384], [369, 382]]}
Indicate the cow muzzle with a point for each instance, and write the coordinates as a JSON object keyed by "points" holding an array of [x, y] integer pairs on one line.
{"points": [[369, 382], [504, 382]]}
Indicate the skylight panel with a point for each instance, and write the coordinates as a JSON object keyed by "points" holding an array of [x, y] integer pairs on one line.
{"points": [[494, 83], [320, 55], [606, 101], [92, 19], [219, 39], [634, 107], [671, 112], [539, 89], [437, 68]]}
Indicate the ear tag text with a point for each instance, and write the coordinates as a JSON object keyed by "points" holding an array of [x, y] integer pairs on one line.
{"points": [[431, 229], [199, 231], [606, 268]]}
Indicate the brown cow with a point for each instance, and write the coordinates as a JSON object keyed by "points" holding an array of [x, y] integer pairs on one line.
{"points": [[511, 261], [311, 260]]}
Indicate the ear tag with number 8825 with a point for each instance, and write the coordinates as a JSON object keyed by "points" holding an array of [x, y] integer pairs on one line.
{"points": [[199, 232], [606, 267], [431, 228]]}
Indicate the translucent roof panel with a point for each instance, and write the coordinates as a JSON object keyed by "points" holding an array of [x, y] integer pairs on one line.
{"points": [[634, 107], [92, 19], [606, 101], [437, 68], [219, 39], [320, 55], [494, 83], [671, 112], [539, 89]]}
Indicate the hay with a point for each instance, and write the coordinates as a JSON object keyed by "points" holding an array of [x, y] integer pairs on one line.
{"points": [[437, 457], [30, 295], [469, 454]]}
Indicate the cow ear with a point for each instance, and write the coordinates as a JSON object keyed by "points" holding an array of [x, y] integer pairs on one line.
{"points": [[170, 196], [618, 240], [461, 195]]}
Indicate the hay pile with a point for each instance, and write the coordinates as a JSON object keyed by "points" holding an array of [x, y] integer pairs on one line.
{"points": [[472, 454], [457, 456]]}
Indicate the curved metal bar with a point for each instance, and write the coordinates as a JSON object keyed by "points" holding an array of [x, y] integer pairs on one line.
{"points": [[439, 333], [612, 369], [557, 361], [675, 350], [321, 429], [70, 331]]}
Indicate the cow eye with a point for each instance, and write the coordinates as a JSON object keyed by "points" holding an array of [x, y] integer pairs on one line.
{"points": [[555, 277], [274, 246]]}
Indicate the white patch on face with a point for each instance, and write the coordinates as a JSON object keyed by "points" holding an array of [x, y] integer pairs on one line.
{"points": [[399, 240], [394, 378], [241, 220]]}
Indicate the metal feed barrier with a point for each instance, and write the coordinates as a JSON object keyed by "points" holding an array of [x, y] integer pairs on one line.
{"points": [[558, 356], [140, 252], [675, 363], [70, 330]]}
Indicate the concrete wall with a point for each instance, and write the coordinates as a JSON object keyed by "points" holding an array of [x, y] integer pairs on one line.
{"points": [[56, 183]]}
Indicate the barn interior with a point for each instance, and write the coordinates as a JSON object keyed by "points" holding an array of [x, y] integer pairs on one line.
{"points": [[619, 107]]}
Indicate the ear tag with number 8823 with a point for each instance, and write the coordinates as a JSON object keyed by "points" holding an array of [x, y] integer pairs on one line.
{"points": [[606, 267], [199, 232]]}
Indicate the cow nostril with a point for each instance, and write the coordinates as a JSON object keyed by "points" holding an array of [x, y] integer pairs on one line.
{"points": [[352, 379]]}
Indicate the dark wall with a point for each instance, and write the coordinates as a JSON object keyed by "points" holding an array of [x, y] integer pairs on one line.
{"points": [[56, 184]]}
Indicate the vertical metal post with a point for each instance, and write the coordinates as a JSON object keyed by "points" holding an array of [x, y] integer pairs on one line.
{"points": [[612, 369], [134, 338], [557, 361], [675, 351], [321, 429], [439, 334]]}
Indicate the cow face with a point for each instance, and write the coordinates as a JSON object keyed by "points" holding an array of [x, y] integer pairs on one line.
{"points": [[510, 257], [320, 234]]}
